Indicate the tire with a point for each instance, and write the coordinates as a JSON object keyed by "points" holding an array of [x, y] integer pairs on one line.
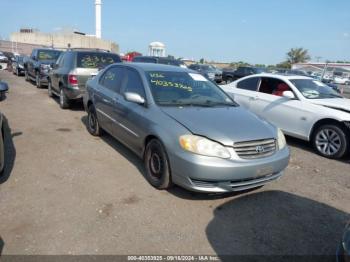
{"points": [[26, 75], [38, 81], [93, 125], [229, 80], [157, 165], [2, 152], [64, 101], [49, 88], [331, 141]]}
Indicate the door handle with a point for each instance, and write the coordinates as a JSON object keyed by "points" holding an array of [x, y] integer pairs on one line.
{"points": [[253, 98]]}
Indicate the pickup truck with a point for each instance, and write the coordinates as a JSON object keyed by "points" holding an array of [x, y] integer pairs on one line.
{"points": [[37, 67]]}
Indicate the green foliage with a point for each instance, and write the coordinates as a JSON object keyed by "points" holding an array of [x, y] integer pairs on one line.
{"points": [[298, 55], [202, 61]]}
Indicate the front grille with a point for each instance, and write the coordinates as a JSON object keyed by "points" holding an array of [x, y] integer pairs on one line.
{"points": [[255, 149]]}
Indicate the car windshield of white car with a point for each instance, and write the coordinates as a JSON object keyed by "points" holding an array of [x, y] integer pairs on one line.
{"points": [[186, 89], [314, 89]]}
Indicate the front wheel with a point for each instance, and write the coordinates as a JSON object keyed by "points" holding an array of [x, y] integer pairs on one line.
{"points": [[330, 141], [93, 126], [157, 165]]}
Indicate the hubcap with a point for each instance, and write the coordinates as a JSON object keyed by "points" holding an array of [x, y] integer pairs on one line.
{"points": [[156, 164], [328, 142]]}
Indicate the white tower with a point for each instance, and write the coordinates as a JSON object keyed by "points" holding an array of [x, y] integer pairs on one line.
{"points": [[98, 17]]}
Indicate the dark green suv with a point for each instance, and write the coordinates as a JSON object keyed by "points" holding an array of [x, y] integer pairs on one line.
{"points": [[73, 68]]}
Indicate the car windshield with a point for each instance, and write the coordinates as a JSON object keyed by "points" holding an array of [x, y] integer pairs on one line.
{"points": [[186, 89], [96, 60], [314, 89], [48, 55]]}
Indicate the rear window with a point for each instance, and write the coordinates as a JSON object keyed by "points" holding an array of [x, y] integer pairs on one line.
{"points": [[48, 55], [96, 60]]}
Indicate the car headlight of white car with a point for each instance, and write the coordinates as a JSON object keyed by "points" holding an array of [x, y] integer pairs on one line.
{"points": [[203, 146], [281, 140]]}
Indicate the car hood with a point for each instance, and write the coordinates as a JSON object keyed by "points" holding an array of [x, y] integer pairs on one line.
{"points": [[335, 103], [223, 124]]}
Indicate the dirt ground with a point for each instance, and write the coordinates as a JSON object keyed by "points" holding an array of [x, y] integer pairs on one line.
{"points": [[66, 192]]}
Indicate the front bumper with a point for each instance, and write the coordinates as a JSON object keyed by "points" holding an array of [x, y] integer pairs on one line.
{"points": [[214, 175]]}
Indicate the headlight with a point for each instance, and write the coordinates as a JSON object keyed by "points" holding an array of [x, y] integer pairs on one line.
{"points": [[281, 140], [203, 146]]}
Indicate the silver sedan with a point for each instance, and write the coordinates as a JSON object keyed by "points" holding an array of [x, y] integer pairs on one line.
{"points": [[185, 128]]}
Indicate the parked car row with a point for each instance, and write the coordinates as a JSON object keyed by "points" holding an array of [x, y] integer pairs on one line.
{"points": [[183, 126], [188, 130]]}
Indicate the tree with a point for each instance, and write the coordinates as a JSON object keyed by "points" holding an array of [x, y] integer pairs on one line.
{"points": [[202, 61], [298, 55]]}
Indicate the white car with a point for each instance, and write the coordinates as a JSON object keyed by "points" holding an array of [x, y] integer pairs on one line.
{"points": [[301, 106], [340, 80]]}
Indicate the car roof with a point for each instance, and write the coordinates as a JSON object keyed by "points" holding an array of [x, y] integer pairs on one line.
{"points": [[156, 67], [280, 76]]}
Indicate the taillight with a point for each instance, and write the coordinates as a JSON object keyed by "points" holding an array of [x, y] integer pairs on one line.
{"points": [[73, 80]]}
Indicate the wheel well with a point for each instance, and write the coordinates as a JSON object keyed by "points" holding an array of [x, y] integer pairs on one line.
{"points": [[147, 140], [327, 121], [89, 103]]}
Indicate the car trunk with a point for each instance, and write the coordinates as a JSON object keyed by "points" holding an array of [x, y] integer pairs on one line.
{"points": [[83, 75]]}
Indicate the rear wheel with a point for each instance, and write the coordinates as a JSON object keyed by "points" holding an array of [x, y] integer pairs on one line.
{"points": [[49, 89], [64, 101], [331, 141], [93, 126], [157, 165], [26, 75], [38, 80]]}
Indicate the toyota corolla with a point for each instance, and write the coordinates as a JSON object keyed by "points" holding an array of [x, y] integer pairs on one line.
{"points": [[185, 128]]}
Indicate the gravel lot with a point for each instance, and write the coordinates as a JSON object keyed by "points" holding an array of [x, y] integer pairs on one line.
{"points": [[66, 192]]}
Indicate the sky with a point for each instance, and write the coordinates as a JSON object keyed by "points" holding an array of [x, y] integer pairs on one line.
{"points": [[254, 31]]}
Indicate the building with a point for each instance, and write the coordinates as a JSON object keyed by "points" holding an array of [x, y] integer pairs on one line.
{"points": [[341, 69], [156, 49], [62, 40]]}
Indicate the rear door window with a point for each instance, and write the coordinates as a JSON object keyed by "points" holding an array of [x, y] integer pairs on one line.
{"points": [[96, 59], [250, 84], [111, 79]]}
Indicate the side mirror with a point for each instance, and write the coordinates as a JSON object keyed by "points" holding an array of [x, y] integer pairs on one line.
{"points": [[288, 94], [3, 90], [134, 98]]}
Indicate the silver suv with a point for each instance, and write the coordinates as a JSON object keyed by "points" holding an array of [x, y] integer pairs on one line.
{"points": [[73, 68]]}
